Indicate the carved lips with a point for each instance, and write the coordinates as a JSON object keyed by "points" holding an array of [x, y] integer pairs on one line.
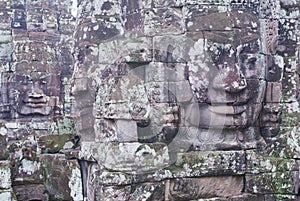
{"points": [[227, 109]]}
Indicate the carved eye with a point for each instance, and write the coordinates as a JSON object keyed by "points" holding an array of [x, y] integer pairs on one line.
{"points": [[252, 63], [43, 82], [248, 61], [24, 79]]}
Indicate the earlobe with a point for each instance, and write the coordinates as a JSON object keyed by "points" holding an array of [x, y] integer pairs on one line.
{"points": [[274, 45]]}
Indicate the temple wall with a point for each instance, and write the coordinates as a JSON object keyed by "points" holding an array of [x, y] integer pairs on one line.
{"points": [[149, 100]]}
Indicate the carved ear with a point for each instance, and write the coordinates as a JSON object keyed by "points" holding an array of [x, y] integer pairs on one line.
{"points": [[273, 46]]}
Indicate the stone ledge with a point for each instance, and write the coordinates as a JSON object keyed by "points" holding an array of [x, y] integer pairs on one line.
{"points": [[209, 163], [126, 157], [277, 182]]}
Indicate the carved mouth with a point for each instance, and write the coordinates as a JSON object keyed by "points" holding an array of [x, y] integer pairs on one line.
{"points": [[227, 109], [35, 103]]}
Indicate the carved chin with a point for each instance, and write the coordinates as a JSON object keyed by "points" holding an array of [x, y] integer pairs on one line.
{"points": [[239, 116], [44, 111]]}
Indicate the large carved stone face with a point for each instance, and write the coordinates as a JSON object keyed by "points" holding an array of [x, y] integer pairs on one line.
{"points": [[228, 84], [226, 71], [37, 89]]}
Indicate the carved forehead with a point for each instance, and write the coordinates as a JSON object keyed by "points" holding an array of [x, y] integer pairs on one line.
{"points": [[228, 20], [230, 27], [27, 68]]}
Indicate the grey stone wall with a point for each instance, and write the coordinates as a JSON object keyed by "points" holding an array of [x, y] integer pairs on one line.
{"points": [[149, 100]]}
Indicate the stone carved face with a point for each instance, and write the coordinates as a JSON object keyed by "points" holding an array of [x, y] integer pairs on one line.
{"points": [[37, 88], [227, 78], [227, 84], [226, 71]]}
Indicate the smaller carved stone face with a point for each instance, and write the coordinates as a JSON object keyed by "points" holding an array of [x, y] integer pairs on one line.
{"points": [[37, 88]]}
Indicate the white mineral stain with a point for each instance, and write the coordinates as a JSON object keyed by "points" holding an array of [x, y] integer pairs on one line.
{"points": [[29, 167], [96, 27], [5, 175], [5, 196], [68, 145], [75, 185]]}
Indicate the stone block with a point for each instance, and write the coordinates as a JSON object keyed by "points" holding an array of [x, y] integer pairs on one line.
{"points": [[290, 64], [85, 124], [63, 180], [273, 92], [6, 36], [127, 157], [50, 20], [132, 50], [66, 26], [150, 191], [288, 145], [35, 4], [163, 21], [264, 164], [277, 182], [275, 197], [6, 51], [26, 167], [109, 178], [3, 144], [243, 197], [56, 142], [5, 21], [165, 72], [19, 15], [167, 3], [269, 9], [289, 9], [6, 195], [172, 48], [5, 174], [34, 51], [105, 130], [122, 98], [5, 4], [31, 192], [89, 31], [35, 27], [290, 87], [289, 114], [212, 163], [19, 34], [117, 193], [155, 21], [169, 92], [66, 125], [106, 8], [205, 187], [18, 4], [212, 17], [274, 68], [126, 130]]}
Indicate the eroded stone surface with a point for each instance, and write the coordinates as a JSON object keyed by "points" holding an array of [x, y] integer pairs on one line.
{"points": [[149, 100]]}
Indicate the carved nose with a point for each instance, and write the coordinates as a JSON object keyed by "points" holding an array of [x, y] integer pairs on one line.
{"points": [[230, 79], [36, 92], [234, 83]]}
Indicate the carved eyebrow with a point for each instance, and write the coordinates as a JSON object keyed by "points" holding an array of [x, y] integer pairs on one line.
{"points": [[46, 76], [22, 76]]}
